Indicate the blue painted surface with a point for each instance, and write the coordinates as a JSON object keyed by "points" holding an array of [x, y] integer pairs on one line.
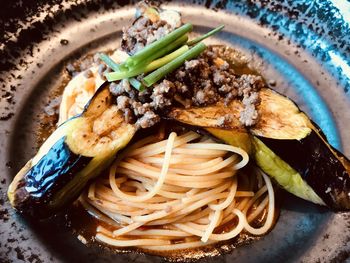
{"points": [[320, 27]]}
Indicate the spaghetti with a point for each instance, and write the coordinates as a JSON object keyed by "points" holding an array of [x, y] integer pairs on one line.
{"points": [[182, 192]]}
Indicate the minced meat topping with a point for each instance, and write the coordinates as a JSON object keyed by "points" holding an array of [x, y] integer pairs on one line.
{"points": [[143, 32], [199, 82]]}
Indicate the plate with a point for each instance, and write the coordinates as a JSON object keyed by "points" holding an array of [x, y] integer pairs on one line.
{"points": [[301, 48]]}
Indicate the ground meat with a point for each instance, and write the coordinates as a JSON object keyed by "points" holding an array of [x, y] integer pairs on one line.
{"points": [[70, 69], [148, 120], [219, 78], [249, 115], [205, 95], [134, 111], [225, 120], [123, 102], [251, 98], [88, 73], [140, 109], [119, 88], [211, 78], [143, 32], [162, 95], [248, 83], [97, 59], [101, 68], [199, 82], [192, 64], [84, 65]]}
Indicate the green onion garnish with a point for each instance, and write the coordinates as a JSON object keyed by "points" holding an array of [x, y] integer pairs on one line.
{"points": [[155, 57], [210, 33], [113, 76], [164, 51], [155, 76], [166, 59], [137, 84], [116, 67], [109, 62], [157, 45]]}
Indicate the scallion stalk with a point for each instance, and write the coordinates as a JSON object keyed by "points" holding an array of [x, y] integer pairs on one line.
{"points": [[137, 84], [113, 76], [166, 59], [210, 33], [150, 49], [158, 74], [109, 62], [164, 51], [116, 67]]}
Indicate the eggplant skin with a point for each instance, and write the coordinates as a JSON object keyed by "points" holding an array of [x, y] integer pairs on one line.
{"points": [[50, 174], [324, 168]]}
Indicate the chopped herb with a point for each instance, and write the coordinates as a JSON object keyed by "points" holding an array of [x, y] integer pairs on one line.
{"points": [[149, 50], [155, 76], [109, 62], [164, 51], [210, 33], [113, 76], [116, 67], [137, 84]]}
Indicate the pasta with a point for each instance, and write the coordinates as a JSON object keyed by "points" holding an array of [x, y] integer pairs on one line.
{"points": [[178, 193]]}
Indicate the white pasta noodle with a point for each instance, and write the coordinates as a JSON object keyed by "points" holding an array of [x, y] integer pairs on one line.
{"points": [[178, 193]]}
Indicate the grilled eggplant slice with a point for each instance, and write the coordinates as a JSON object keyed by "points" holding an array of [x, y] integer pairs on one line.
{"points": [[287, 145], [76, 152], [233, 132], [323, 168]]}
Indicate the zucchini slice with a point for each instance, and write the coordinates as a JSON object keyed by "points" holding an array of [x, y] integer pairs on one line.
{"points": [[77, 151], [286, 144]]}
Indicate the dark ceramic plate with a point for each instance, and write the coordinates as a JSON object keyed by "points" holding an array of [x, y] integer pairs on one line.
{"points": [[303, 45]]}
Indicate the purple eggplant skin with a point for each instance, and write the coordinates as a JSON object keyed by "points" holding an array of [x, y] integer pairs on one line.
{"points": [[323, 167], [47, 177]]}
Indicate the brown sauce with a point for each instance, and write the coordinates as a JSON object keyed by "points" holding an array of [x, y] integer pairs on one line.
{"points": [[49, 117], [83, 224]]}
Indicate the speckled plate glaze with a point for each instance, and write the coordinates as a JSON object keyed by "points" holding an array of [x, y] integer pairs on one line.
{"points": [[304, 46]]}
